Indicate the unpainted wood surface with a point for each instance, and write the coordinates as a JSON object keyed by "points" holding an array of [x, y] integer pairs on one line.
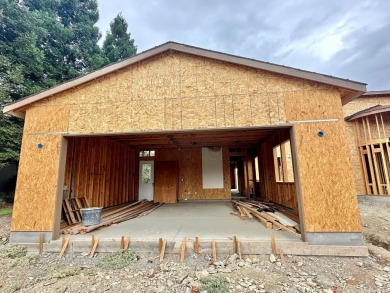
{"points": [[166, 181], [327, 186], [103, 171], [37, 183], [179, 91]]}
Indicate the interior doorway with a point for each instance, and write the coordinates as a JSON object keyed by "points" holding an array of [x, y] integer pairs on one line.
{"points": [[237, 176]]}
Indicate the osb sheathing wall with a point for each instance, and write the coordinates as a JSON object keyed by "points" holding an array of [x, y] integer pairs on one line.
{"points": [[327, 186], [352, 107], [177, 91], [101, 170], [190, 173], [35, 194]]}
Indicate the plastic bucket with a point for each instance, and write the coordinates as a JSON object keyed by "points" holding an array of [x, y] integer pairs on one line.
{"points": [[90, 216]]}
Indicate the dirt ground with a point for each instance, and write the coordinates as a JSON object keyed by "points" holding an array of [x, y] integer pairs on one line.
{"points": [[48, 273]]}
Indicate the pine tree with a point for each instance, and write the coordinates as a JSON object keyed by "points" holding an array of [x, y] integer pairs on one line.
{"points": [[118, 43]]}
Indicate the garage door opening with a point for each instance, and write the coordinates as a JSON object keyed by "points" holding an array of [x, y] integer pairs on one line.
{"points": [[201, 166]]}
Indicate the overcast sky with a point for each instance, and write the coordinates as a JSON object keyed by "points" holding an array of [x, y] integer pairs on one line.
{"points": [[343, 38]]}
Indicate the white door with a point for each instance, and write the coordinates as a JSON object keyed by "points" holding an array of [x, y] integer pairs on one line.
{"points": [[146, 180]]}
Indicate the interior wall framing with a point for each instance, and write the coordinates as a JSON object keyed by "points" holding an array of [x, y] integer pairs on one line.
{"points": [[101, 170]]}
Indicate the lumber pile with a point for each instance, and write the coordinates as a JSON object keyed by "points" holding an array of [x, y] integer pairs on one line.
{"points": [[72, 206], [266, 214], [115, 215]]}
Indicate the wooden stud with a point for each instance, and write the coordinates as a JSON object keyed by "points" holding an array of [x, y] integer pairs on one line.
{"points": [[214, 249], [183, 249], [235, 247], [196, 245], [40, 243], [247, 213], [273, 244], [64, 246], [94, 247], [162, 251]]}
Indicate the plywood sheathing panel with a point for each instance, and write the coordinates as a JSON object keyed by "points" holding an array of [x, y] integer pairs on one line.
{"points": [[47, 119], [313, 105], [327, 185], [190, 173], [103, 171], [36, 186], [175, 91], [365, 102]]}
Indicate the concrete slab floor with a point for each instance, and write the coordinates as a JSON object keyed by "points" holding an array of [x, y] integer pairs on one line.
{"points": [[209, 220]]}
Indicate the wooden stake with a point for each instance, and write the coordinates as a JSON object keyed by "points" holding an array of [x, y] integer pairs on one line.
{"points": [[63, 240], [160, 244], [127, 242], [40, 243], [214, 248], [64, 246], [273, 244], [183, 250], [92, 241], [162, 251], [196, 245], [239, 249], [235, 245], [94, 247], [281, 253], [123, 242]]}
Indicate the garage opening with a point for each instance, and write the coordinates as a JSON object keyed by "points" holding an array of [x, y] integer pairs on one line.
{"points": [[201, 167]]}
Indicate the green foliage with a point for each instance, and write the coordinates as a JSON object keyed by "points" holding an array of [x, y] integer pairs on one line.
{"points": [[25, 261], [118, 44], [12, 251], [118, 260], [5, 211], [12, 287], [43, 43], [214, 284], [63, 273]]}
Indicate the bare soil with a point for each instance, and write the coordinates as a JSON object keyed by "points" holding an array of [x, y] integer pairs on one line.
{"points": [[78, 273]]}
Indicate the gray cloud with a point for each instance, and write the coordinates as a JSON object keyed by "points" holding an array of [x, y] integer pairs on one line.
{"points": [[348, 39]]}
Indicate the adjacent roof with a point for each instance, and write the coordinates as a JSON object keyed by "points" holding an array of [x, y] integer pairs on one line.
{"points": [[357, 88], [369, 111], [377, 93]]}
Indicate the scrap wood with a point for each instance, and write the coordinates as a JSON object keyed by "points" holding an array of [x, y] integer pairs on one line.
{"points": [[114, 215], [265, 217]]}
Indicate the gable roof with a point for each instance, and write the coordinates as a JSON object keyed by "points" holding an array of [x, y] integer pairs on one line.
{"points": [[369, 111], [357, 88]]}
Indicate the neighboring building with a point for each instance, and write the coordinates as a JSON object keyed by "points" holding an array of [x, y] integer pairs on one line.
{"points": [[368, 126], [178, 122]]}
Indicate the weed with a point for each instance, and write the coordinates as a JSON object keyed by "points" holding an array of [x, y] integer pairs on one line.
{"points": [[12, 251], [25, 261], [63, 273], [11, 288], [214, 284], [118, 260]]}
